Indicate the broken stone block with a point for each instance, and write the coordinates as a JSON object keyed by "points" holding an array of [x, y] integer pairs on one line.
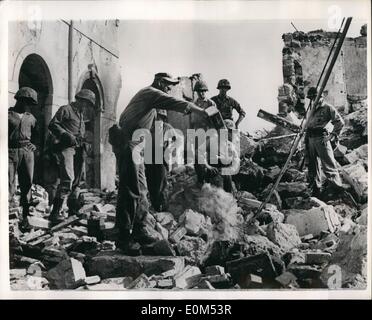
{"points": [[355, 131], [163, 231], [250, 175], [166, 219], [177, 235], [222, 251], [294, 257], [141, 282], [17, 273], [165, 283], [111, 284], [68, 274], [38, 223], [293, 189], [186, 278], [193, 248], [256, 244], [303, 203], [205, 284], [261, 265], [250, 281], [247, 146], [214, 270], [363, 219], [286, 279], [313, 221], [163, 248], [350, 257], [149, 220], [108, 264], [317, 257], [356, 176], [219, 281], [80, 231], [305, 271], [268, 216], [283, 235], [192, 221], [92, 280]]}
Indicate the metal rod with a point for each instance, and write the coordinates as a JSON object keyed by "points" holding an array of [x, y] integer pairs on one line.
{"points": [[304, 127], [294, 26]]}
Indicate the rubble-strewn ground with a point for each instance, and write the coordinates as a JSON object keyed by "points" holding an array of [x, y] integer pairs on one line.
{"points": [[207, 239]]}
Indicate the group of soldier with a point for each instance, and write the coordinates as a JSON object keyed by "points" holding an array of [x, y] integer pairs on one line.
{"points": [[137, 179]]}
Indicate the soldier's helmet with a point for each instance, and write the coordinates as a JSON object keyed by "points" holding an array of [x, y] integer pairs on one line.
{"points": [[223, 83], [230, 125], [26, 93], [86, 94], [312, 92], [200, 86]]}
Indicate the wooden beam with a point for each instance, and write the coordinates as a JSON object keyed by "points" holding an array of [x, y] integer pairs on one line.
{"points": [[278, 121]]}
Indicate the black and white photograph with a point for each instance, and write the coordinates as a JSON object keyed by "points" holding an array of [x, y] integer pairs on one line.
{"points": [[196, 149]]}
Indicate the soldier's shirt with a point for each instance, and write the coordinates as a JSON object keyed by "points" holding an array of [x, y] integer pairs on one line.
{"points": [[20, 127], [68, 119], [141, 110], [226, 105], [322, 115], [198, 121]]}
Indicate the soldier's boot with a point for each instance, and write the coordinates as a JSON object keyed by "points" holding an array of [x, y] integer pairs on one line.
{"points": [[25, 226], [123, 240], [55, 216]]}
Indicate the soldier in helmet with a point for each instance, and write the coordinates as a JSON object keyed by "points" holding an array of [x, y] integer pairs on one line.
{"points": [[67, 126], [226, 104], [199, 122], [319, 143], [22, 135]]}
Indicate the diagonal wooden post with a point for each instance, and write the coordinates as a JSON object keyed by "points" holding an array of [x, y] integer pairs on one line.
{"points": [[305, 124]]}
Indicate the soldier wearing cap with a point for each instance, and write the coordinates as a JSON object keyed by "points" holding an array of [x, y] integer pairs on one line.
{"points": [[319, 143], [68, 129], [22, 136], [140, 113], [226, 104]]}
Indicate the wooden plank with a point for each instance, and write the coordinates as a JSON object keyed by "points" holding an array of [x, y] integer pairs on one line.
{"points": [[65, 223], [282, 122]]}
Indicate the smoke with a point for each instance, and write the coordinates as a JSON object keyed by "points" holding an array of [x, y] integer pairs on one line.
{"points": [[223, 210]]}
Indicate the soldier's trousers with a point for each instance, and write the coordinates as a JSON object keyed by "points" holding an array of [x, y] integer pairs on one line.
{"points": [[320, 155], [71, 162], [21, 162], [132, 204], [156, 177]]}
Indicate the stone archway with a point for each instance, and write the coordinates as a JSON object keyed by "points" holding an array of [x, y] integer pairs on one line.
{"points": [[92, 119], [34, 73]]}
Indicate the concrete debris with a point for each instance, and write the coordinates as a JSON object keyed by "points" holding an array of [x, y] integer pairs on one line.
{"points": [[356, 175], [188, 277], [313, 221], [283, 235], [209, 239], [68, 274]]}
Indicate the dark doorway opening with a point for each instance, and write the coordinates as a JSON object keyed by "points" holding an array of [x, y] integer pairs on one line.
{"points": [[34, 73]]}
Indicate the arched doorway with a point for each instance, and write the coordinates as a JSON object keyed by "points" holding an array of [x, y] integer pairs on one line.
{"points": [[35, 73], [92, 120]]}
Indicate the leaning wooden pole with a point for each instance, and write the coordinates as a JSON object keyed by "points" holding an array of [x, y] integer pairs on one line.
{"points": [[305, 124]]}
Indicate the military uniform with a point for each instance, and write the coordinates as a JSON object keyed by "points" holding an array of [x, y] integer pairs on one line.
{"points": [[226, 105], [320, 152], [69, 120], [21, 132], [139, 114], [68, 129], [22, 137]]}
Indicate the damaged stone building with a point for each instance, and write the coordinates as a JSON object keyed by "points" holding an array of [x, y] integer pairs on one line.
{"points": [[57, 59]]}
